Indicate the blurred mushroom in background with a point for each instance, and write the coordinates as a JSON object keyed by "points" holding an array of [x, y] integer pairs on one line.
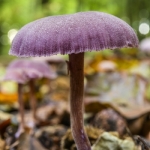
{"points": [[57, 62], [24, 71]]}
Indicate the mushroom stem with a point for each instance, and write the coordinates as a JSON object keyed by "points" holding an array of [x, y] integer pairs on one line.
{"points": [[76, 67], [33, 102], [21, 105]]}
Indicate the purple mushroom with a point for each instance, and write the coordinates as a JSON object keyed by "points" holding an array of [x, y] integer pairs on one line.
{"points": [[57, 62], [74, 34], [23, 71]]}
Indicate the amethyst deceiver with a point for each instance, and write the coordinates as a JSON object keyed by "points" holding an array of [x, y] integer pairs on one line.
{"points": [[32, 69], [23, 71], [74, 34]]}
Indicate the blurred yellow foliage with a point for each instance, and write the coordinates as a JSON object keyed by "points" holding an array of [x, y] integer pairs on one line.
{"points": [[8, 98]]}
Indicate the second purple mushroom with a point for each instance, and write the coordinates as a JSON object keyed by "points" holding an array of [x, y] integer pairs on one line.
{"points": [[27, 71]]}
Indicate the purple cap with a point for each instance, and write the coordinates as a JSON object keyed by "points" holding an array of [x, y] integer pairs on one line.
{"points": [[23, 70], [15, 75], [75, 33]]}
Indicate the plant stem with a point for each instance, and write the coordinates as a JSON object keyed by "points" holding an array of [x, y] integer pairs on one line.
{"points": [[76, 68], [33, 102], [21, 104]]}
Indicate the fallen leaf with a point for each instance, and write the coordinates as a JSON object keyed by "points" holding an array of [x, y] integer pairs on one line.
{"points": [[108, 141]]}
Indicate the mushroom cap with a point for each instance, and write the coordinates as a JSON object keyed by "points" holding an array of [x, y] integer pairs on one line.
{"points": [[73, 33], [23, 70], [16, 75], [145, 45]]}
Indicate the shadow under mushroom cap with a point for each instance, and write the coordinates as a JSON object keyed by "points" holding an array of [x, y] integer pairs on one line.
{"points": [[75, 33]]}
